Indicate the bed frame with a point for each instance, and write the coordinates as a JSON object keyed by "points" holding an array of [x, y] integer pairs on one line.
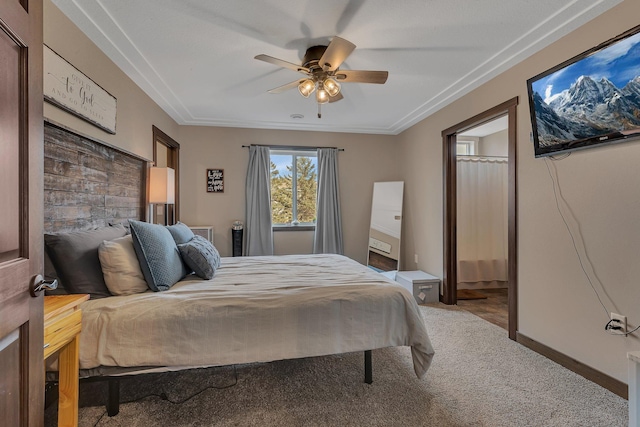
{"points": [[89, 184], [113, 395]]}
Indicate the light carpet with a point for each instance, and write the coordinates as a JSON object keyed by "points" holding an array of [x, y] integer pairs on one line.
{"points": [[478, 378]]}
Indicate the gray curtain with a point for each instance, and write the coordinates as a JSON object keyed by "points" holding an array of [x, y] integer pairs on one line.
{"points": [[328, 237], [259, 233]]}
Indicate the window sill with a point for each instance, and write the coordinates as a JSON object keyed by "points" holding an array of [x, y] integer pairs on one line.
{"points": [[294, 228]]}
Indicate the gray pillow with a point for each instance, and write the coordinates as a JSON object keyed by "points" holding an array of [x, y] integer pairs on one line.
{"points": [[201, 256], [181, 233], [157, 254], [125, 224], [50, 274], [74, 256]]}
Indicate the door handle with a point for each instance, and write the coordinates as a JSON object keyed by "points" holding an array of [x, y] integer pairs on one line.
{"points": [[38, 284]]}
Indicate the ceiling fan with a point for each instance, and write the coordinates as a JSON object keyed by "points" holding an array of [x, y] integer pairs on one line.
{"points": [[321, 67]]}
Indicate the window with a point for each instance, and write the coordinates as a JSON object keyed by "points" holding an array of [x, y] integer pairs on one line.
{"points": [[466, 148], [293, 195]]}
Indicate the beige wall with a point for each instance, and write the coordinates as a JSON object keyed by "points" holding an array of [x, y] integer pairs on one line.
{"points": [[136, 112], [557, 307], [496, 144], [366, 159]]}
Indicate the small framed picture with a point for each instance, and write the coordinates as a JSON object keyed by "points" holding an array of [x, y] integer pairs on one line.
{"points": [[215, 180]]}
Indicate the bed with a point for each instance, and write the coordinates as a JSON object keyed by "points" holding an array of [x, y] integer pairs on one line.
{"points": [[256, 309], [253, 309]]}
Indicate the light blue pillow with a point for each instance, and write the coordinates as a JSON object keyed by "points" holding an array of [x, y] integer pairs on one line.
{"points": [[181, 233], [201, 256], [157, 254]]}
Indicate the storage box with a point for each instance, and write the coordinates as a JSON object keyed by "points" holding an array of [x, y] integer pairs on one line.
{"points": [[424, 287]]}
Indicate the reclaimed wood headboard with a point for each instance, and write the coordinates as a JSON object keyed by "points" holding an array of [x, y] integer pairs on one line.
{"points": [[89, 184]]}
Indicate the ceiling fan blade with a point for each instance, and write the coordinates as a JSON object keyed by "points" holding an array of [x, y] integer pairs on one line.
{"points": [[360, 76], [336, 98], [288, 86], [283, 64], [337, 51]]}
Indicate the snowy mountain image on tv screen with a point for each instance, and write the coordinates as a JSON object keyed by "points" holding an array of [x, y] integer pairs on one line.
{"points": [[597, 96]]}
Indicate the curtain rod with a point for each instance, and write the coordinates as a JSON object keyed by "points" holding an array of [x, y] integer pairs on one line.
{"points": [[290, 147], [486, 157]]}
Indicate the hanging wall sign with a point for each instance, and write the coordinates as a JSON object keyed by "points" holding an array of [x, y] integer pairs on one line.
{"points": [[68, 88], [215, 180]]}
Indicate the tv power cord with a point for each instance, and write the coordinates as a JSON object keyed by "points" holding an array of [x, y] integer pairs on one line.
{"points": [[612, 325]]}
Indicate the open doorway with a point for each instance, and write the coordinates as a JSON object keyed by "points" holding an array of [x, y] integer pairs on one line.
{"points": [[482, 155], [166, 153], [462, 132]]}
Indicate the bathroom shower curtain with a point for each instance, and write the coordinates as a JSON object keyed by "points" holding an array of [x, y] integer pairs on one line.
{"points": [[482, 204]]}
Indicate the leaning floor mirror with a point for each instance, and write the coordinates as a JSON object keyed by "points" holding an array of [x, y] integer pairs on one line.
{"points": [[386, 226]]}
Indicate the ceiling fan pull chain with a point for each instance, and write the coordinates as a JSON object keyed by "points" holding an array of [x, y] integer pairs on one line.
{"points": [[319, 112]]}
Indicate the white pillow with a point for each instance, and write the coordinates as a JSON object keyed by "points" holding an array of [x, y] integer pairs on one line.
{"points": [[120, 267]]}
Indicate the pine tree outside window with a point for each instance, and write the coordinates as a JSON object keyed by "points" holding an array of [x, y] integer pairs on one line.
{"points": [[294, 187]]}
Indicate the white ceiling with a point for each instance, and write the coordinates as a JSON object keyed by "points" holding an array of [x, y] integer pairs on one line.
{"points": [[489, 128], [195, 58]]}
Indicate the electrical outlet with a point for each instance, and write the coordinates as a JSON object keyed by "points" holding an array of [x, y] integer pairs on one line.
{"points": [[621, 322], [415, 258]]}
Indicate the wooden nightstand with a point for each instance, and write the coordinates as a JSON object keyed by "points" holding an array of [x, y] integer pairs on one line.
{"points": [[62, 325]]}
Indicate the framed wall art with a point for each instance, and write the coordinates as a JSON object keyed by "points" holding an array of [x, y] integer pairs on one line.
{"points": [[69, 89], [215, 180]]}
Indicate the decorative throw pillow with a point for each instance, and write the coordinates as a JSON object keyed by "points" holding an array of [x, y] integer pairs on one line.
{"points": [[74, 256], [157, 254], [120, 267], [201, 256], [181, 233]]}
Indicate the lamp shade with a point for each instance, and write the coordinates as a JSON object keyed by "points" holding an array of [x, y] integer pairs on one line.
{"points": [[306, 88], [162, 185], [322, 96], [331, 86]]}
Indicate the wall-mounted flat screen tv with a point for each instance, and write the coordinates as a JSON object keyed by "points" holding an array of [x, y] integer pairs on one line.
{"points": [[589, 100]]}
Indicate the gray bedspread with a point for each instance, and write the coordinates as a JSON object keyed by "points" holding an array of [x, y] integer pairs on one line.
{"points": [[256, 309]]}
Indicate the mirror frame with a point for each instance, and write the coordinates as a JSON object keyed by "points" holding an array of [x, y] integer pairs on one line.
{"points": [[376, 235]]}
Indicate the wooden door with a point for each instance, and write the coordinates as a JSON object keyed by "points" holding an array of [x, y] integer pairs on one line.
{"points": [[21, 215]]}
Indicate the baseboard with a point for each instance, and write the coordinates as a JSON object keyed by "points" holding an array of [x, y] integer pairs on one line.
{"points": [[603, 380]]}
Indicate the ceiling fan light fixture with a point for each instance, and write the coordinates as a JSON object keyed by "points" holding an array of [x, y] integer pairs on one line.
{"points": [[322, 74], [306, 87], [322, 96], [331, 86]]}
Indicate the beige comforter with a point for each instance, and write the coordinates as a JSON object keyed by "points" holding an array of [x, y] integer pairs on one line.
{"points": [[256, 309]]}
